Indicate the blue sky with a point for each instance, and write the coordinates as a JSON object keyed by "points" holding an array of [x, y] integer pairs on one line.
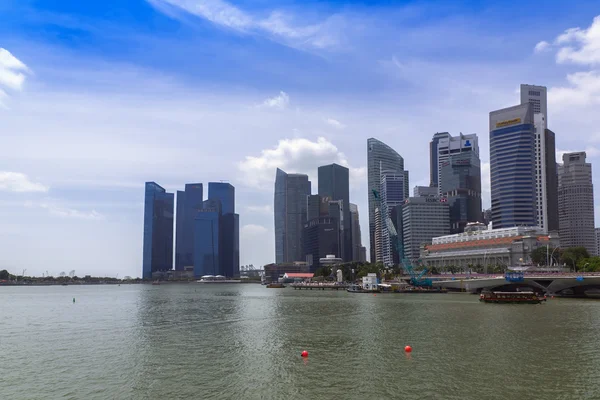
{"points": [[98, 97]]}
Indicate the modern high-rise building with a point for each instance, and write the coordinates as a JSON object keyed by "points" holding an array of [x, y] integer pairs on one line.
{"points": [[425, 191], [317, 206], [546, 181], [597, 230], [447, 146], [207, 239], [225, 192], [290, 202], [512, 167], [576, 202], [433, 158], [380, 157], [392, 195], [188, 203], [537, 96], [158, 230], [321, 238], [357, 247], [460, 183], [334, 183], [229, 228], [423, 218]]}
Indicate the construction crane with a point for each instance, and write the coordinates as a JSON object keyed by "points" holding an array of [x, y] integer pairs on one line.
{"points": [[416, 279]]}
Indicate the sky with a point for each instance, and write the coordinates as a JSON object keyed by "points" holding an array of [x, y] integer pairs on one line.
{"points": [[98, 97]]}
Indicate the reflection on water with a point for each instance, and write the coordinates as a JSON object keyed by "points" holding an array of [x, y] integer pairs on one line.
{"points": [[244, 341]]}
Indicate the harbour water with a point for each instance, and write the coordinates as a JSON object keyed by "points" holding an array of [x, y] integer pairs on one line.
{"points": [[194, 341]]}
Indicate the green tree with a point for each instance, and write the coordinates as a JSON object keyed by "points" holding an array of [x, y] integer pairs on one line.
{"points": [[591, 264], [4, 275], [572, 255], [538, 256]]}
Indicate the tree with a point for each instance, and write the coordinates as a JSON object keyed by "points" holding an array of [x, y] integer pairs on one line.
{"points": [[4, 275], [538, 256], [572, 255], [591, 264]]}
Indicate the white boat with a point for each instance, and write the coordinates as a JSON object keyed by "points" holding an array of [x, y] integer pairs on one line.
{"points": [[217, 279]]}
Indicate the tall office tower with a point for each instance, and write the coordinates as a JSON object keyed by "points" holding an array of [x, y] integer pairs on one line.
{"points": [[378, 237], [356, 236], [433, 158], [334, 182], [423, 218], [512, 167], [460, 183], [188, 203], [449, 145], [229, 228], [321, 238], [392, 195], [380, 157], [317, 206], [158, 230], [291, 191], [537, 96], [207, 239], [546, 182], [425, 191], [576, 203], [597, 230]]}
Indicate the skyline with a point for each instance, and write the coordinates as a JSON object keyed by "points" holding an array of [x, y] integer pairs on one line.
{"points": [[90, 111]]}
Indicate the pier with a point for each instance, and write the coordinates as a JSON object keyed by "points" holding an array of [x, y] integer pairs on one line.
{"points": [[319, 286]]}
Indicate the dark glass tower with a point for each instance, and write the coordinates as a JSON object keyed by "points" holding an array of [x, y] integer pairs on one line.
{"points": [[225, 192], [512, 167], [158, 230], [188, 204], [334, 182], [229, 228], [433, 158], [207, 239], [290, 203]]}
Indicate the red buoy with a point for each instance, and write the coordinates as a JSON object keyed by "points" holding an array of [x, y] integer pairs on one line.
{"points": [[304, 354], [407, 349]]}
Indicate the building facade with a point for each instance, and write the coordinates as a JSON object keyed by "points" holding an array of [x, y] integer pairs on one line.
{"points": [[380, 157], [225, 193], [229, 228], [321, 238], [158, 230], [576, 202], [537, 97], [392, 195], [597, 231], [512, 167], [423, 218], [426, 191], [433, 159], [448, 146], [356, 235], [546, 182], [290, 202], [188, 203], [334, 183], [207, 239], [460, 183]]}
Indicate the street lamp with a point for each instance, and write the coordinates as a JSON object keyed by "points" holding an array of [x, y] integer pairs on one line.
{"points": [[551, 255]]}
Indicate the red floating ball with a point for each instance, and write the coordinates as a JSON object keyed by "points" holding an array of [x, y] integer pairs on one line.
{"points": [[407, 349], [304, 354]]}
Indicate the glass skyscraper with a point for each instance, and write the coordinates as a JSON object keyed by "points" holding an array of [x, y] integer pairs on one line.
{"points": [[158, 230], [380, 157], [207, 239], [290, 208], [334, 183], [512, 167], [188, 204], [392, 195], [225, 192]]}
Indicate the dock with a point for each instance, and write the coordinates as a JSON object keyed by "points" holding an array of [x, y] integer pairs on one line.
{"points": [[319, 286]]}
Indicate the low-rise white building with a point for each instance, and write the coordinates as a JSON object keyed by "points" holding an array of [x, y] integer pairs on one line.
{"points": [[370, 282]]}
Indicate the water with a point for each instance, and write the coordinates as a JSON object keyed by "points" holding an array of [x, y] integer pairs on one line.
{"points": [[193, 341]]}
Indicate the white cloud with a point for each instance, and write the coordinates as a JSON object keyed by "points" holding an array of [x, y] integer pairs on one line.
{"points": [[279, 102], [11, 74], [277, 24], [18, 182], [580, 46], [266, 209], [66, 212], [252, 229], [584, 90], [335, 123], [295, 155], [542, 47]]}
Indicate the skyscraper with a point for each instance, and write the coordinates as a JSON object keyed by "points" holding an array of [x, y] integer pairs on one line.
{"points": [[576, 202], [356, 235], [460, 183], [423, 218], [334, 182], [225, 192], [392, 195], [207, 239], [433, 158], [546, 181], [229, 228], [321, 238], [448, 145], [188, 203], [425, 191], [290, 202], [512, 167], [380, 157], [537, 96], [158, 230]]}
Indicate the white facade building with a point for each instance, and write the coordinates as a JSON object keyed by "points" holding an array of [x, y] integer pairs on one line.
{"points": [[537, 96], [541, 191]]}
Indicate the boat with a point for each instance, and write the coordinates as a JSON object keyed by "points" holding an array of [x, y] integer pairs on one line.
{"points": [[511, 297], [359, 289], [156, 283], [217, 279], [275, 285]]}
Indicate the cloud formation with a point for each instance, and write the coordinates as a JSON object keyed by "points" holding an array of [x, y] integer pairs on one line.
{"points": [[266, 209], [277, 25], [335, 123], [252, 229], [580, 46], [541, 47], [66, 212], [298, 155], [18, 182], [279, 102], [12, 74]]}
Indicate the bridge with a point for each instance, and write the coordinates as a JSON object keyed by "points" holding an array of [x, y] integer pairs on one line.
{"points": [[568, 285]]}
